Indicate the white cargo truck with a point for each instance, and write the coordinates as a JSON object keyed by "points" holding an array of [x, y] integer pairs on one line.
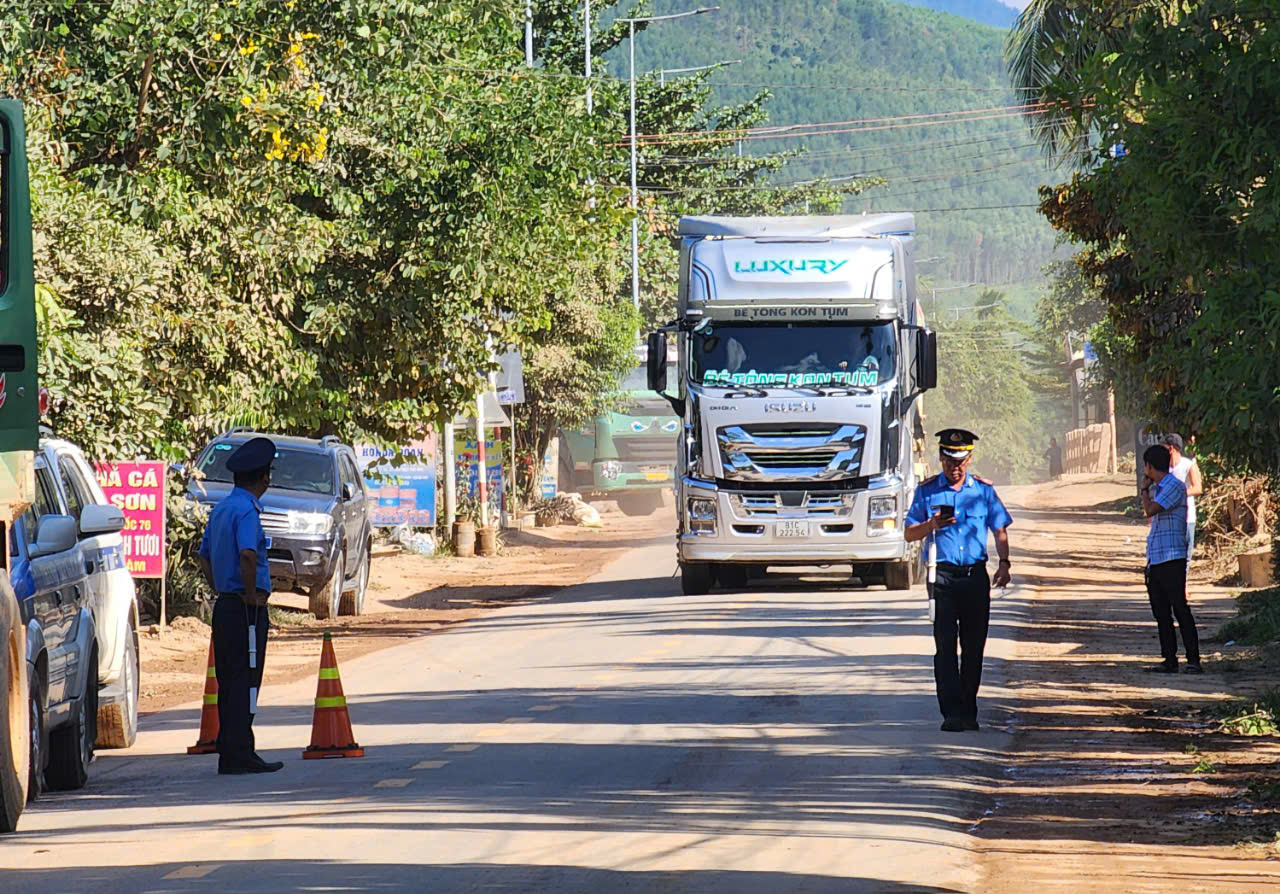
{"points": [[802, 359]]}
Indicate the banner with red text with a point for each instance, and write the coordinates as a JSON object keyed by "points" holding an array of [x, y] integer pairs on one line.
{"points": [[138, 490]]}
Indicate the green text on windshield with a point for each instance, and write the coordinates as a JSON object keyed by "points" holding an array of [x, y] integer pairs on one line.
{"points": [[794, 355]]}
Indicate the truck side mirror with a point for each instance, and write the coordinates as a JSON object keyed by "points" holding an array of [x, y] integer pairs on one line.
{"points": [[926, 359], [657, 361]]}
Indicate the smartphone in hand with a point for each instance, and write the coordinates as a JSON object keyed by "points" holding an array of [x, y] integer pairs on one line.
{"points": [[946, 510]]}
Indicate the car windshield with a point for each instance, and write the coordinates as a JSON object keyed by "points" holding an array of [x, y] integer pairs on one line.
{"points": [[304, 470], [794, 354]]}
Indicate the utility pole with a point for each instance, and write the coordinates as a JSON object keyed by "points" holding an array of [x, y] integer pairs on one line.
{"points": [[528, 33], [586, 42], [635, 191]]}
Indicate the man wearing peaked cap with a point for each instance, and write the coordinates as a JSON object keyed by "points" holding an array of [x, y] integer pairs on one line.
{"points": [[233, 556], [955, 511]]}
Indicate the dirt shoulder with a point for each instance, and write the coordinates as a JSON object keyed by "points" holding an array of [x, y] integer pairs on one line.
{"points": [[1119, 780], [409, 595]]}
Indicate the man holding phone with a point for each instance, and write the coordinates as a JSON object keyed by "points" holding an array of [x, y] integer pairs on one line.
{"points": [[955, 510]]}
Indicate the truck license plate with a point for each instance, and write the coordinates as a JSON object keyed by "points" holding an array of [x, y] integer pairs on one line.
{"points": [[656, 475], [792, 528]]}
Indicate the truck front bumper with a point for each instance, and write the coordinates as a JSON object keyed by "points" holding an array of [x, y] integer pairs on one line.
{"points": [[752, 526], [610, 475]]}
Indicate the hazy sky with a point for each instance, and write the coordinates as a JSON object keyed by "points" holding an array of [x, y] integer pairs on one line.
{"points": [[1016, 4]]}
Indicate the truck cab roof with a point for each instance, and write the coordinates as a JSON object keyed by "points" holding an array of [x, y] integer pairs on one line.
{"points": [[808, 227]]}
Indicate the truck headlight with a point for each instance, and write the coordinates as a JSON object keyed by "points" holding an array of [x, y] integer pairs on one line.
{"points": [[882, 515], [702, 516], [310, 523], [610, 470]]}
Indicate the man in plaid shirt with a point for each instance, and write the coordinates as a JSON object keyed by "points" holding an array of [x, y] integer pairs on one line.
{"points": [[1164, 499]]}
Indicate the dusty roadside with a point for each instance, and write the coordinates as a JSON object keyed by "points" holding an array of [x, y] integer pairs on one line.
{"points": [[409, 595], [1118, 779]]}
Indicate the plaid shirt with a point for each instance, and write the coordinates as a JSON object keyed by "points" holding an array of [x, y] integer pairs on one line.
{"points": [[1167, 536]]}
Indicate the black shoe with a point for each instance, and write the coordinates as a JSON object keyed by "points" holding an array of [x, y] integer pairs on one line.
{"points": [[256, 764], [1163, 667], [233, 768], [1194, 668], [951, 725], [970, 725]]}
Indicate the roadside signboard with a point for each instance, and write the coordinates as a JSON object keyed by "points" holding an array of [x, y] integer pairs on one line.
{"points": [[467, 451], [404, 493], [138, 490]]}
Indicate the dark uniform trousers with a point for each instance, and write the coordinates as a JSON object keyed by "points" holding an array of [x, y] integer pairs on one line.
{"points": [[962, 610], [231, 622], [1167, 592]]}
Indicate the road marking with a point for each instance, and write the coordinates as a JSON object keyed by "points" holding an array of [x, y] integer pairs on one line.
{"points": [[544, 707], [488, 733], [197, 871], [518, 720], [428, 765], [462, 748], [392, 783]]}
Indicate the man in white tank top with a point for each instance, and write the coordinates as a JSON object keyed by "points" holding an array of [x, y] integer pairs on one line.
{"points": [[1184, 468]]}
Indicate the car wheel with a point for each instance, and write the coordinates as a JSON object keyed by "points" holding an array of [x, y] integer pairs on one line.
{"points": [[71, 748], [15, 732], [695, 578], [325, 599], [353, 599], [118, 722], [36, 731]]}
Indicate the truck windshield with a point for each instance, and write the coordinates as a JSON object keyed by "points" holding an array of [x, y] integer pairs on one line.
{"points": [[793, 354]]}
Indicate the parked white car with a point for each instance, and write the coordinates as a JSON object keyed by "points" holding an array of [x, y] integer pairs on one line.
{"points": [[115, 604]]}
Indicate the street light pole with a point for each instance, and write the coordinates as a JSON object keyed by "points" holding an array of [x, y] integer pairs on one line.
{"points": [[635, 190], [586, 42], [662, 74]]}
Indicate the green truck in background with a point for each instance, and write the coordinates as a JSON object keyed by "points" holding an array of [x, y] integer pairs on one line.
{"points": [[627, 455]]}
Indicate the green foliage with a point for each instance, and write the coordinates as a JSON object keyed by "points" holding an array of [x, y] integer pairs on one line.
{"points": [[983, 386], [1181, 235], [1257, 618], [872, 59]]}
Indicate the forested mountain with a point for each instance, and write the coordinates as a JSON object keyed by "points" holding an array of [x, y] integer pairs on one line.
{"points": [[988, 12], [917, 97]]}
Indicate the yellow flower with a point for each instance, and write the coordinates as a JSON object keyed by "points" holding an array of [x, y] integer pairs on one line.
{"points": [[215, 36], [246, 101], [291, 4], [249, 49]]}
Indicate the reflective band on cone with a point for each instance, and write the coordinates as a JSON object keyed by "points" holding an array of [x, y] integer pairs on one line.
{"points": [[331, 734], [207, 740]]}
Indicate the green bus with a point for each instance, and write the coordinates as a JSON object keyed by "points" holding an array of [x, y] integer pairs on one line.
{"points": [[627, 455]]}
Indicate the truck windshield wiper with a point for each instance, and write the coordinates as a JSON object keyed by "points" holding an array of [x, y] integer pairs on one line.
{"points": [[741, 390], [831, 392]]}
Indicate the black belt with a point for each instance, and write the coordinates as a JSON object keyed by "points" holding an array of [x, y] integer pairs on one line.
{"points": [[240, 596], [962, 570]]}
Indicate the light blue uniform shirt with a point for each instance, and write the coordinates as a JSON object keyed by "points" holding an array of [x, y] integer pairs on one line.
{"points": [[978, 510], [1167, 536], [233, 526]]}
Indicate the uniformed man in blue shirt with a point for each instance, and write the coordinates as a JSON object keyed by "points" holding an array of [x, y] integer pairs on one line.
{"points": [[233, 556], [955, 510]]}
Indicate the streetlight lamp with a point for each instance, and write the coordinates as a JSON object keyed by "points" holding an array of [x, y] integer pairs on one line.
{"points": [[635, 192], [662, 75]]}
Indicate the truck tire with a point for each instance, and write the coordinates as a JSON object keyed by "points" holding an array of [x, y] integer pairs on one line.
{"points": [[15, 731], [118, 722], [640, 502], [897, 575], [71, 747], [325, 599], [695, 578], [37, 748], [352, 602]]}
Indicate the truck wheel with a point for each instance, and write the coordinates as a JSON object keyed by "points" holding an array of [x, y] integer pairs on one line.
{"points": [[695, 578], [640, 502], [15, 735], [118, 722], [71, 748], [36, 735], [325, 599], [353, 600], [897, 575]]}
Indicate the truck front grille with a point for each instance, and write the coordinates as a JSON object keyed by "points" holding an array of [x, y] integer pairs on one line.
{"points": [[791, 451], [661, 451], [755, 504]]}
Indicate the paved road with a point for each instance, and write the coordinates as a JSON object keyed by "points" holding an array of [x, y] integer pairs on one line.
{"points": [[614, 737]]}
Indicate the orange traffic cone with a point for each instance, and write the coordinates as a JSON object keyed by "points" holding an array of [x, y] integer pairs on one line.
{"points": [[331, 734], [207, 741]]}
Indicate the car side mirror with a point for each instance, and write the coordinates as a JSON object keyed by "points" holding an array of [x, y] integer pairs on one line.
{"points": [[101, 519], [926, 359], [348, 492], [55, 534], [657, 361]]}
